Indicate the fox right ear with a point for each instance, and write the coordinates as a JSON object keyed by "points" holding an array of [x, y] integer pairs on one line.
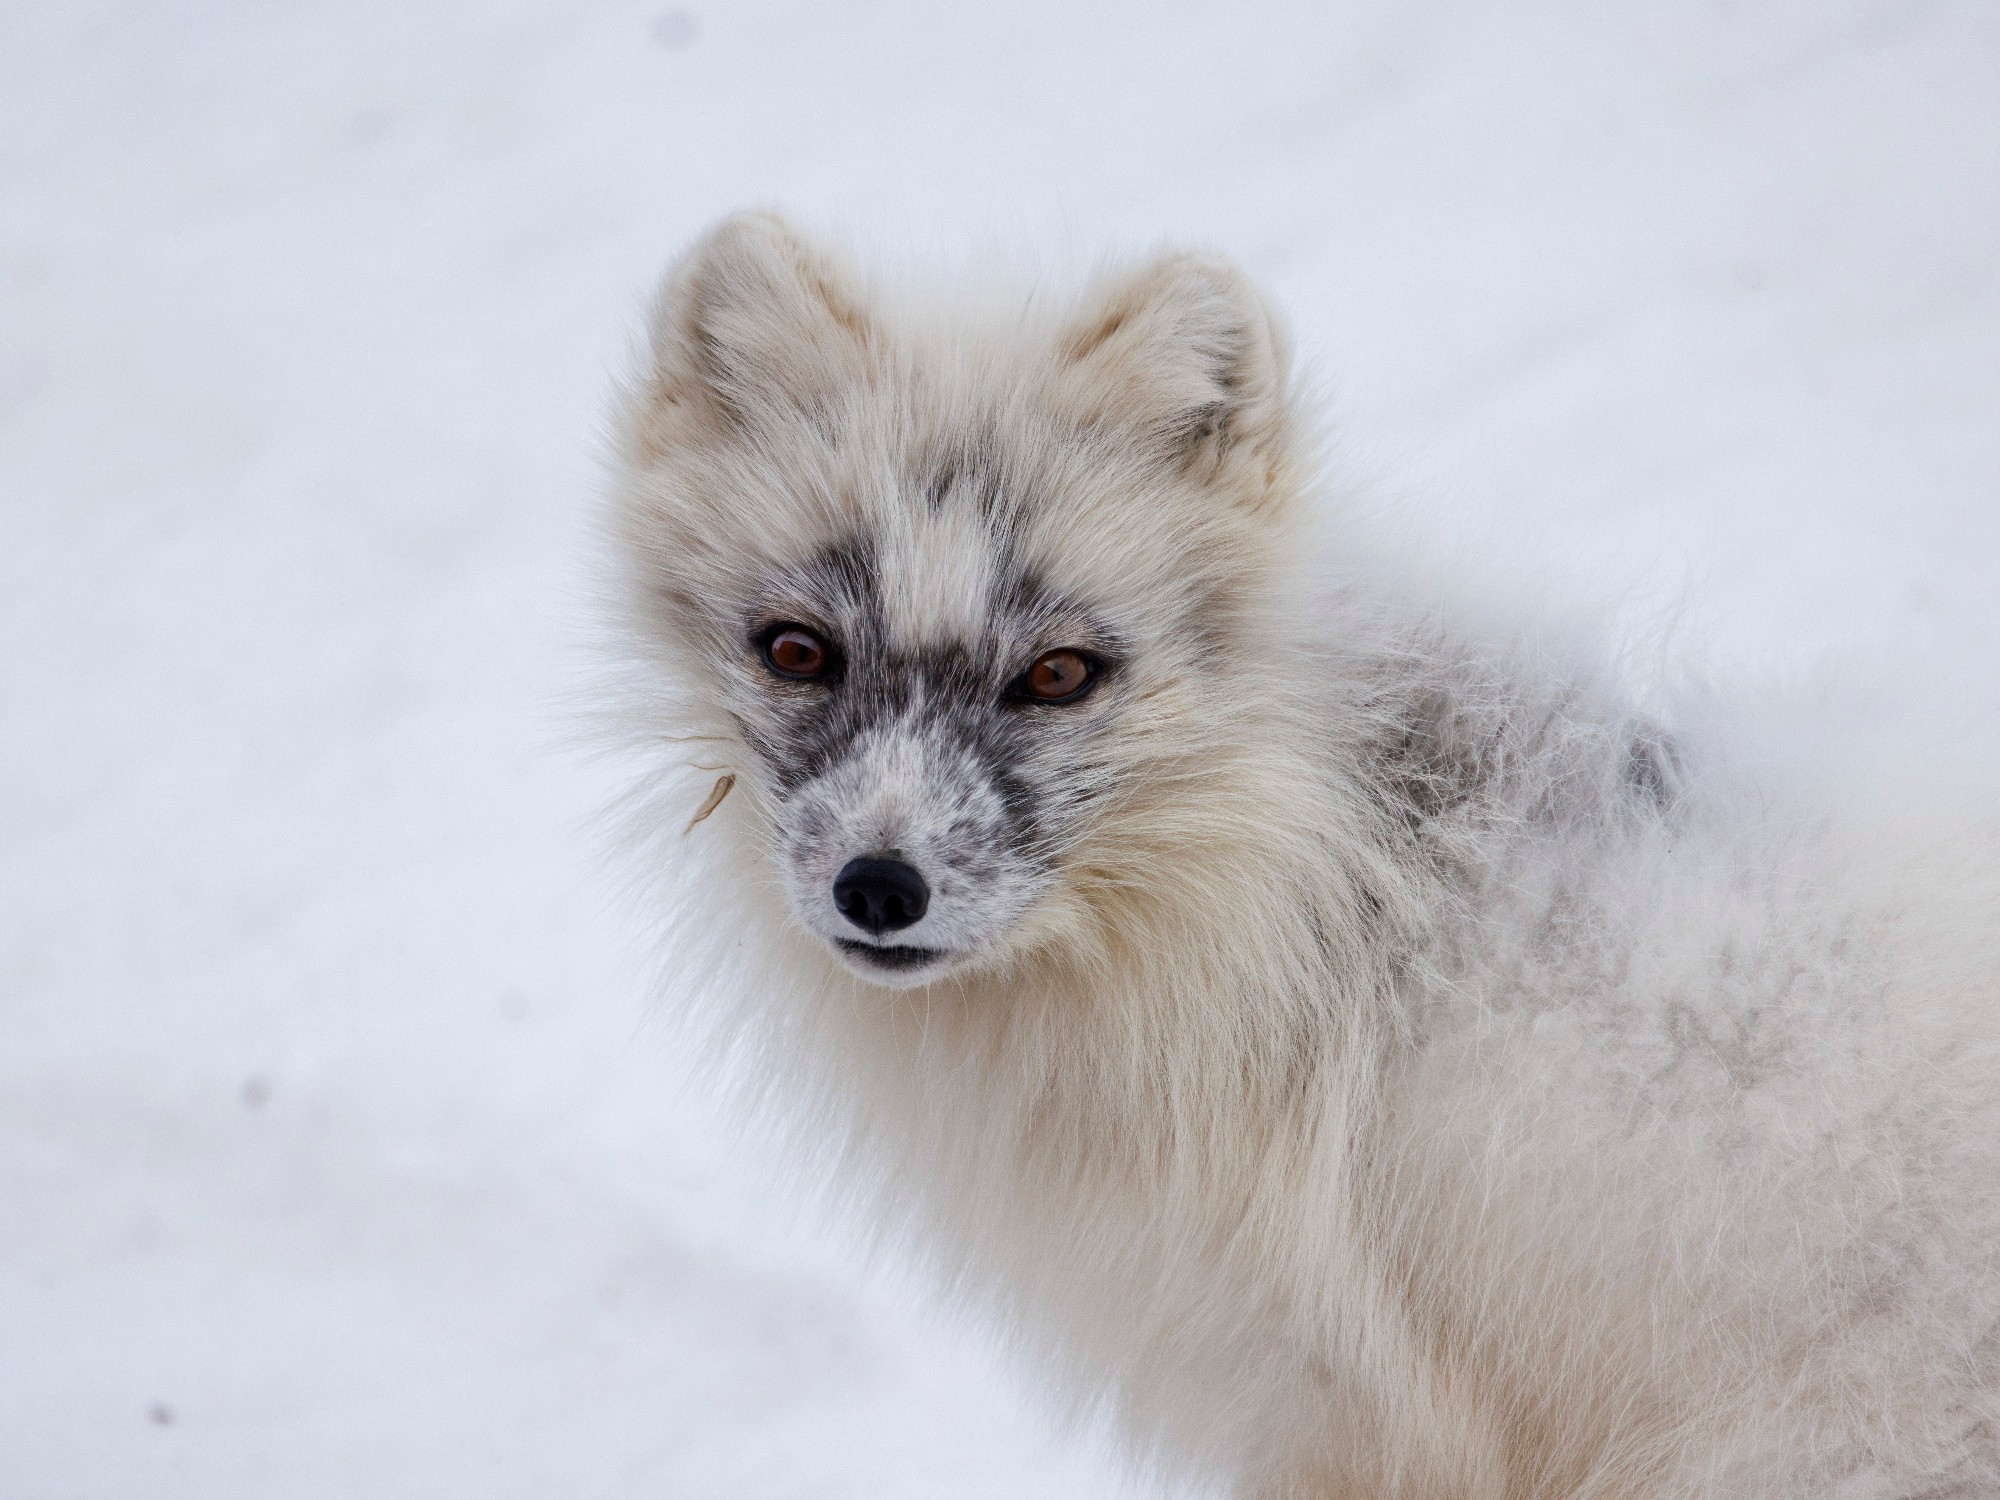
{"points": [[754, 323], [1184, 353]]}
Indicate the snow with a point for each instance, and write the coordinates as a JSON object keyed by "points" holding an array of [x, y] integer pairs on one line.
{"points": [[340, 1150]]}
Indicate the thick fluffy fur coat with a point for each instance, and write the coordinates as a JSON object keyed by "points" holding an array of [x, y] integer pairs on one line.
{"points": [[1367, 1056]]}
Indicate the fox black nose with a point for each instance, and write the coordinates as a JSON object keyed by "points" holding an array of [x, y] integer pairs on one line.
{"points": [[880, 895]]}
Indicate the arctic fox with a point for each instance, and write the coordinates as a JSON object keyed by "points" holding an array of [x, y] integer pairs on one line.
{"points": [[1368, 1059]]}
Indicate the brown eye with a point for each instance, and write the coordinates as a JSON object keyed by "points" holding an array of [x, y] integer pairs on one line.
{"points": [[1058, 676], [796, 652]]}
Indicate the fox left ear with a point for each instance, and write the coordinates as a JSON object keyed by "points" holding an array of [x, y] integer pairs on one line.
{"points": [[1185, 354], [754, 323]]}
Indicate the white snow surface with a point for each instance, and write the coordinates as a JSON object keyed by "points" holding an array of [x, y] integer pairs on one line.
{"points": [[342, 1149]]}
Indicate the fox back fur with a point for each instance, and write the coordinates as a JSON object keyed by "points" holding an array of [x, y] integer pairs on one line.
{"points": [[1362, 1052]]}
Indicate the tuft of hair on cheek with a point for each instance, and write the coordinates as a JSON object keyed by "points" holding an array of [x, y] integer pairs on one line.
{"points": [[724, 785]]}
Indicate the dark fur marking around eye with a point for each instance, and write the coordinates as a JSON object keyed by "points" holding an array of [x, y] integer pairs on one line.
{"points": [[885, 687], [1024, 822], [1026, 595], [944, 696], [835, 588], [845, 571], [949, 696]]}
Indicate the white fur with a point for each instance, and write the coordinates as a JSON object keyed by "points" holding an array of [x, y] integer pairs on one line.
{"points": [[1417, 1073]]}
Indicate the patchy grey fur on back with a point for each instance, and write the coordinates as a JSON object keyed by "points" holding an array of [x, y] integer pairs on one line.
{"points": [[1367, 1054]]}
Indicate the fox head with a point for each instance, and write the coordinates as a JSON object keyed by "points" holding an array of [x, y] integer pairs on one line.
{"points": [[970, 614]]}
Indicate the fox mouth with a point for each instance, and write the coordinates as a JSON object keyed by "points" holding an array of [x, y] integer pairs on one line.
{"points": [[890, 958]]}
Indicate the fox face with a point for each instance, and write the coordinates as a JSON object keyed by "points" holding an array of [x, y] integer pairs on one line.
{"points": [[928, 768], [963, 607]]}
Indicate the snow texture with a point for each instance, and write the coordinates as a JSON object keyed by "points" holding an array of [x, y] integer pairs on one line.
{"points": [[339, 1152]]}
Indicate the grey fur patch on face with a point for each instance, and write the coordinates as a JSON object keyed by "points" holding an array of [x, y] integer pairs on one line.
{"points": [[923, 752]]}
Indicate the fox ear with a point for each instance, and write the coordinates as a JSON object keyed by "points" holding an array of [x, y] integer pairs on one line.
{"points": [[755, 322], [1185, 352]]}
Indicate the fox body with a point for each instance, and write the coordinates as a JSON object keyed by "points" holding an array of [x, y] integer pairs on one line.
{"points": [[1366, 1055]]}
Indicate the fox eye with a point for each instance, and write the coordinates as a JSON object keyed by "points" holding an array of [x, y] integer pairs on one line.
{"points": [[794, 651], [1057, 677]]}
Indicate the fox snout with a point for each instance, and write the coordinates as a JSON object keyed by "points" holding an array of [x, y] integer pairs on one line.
{"points": [[880, 893], [905, 853]]}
